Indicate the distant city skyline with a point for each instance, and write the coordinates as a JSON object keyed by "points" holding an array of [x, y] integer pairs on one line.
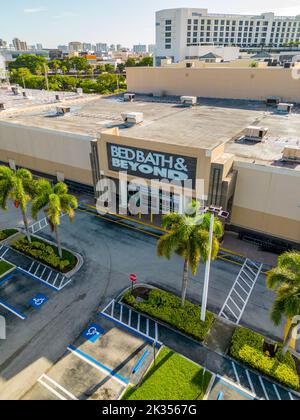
{"points": [[62, 21]]}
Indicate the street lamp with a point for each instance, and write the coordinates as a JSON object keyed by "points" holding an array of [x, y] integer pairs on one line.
{"points": [[214, 211]]}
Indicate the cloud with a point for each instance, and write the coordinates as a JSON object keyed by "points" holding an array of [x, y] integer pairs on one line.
{"points": [[35, 10]]}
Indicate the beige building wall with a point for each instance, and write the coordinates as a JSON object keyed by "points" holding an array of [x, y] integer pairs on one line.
{"points": [[230, 83], [47, 151], [267, 200]]}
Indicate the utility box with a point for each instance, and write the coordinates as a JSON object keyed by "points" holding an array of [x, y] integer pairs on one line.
{"points": [[133, 117], [284, 108], [63, 110], [129, 97], [189, 100], [291, 154], [255, 134]]}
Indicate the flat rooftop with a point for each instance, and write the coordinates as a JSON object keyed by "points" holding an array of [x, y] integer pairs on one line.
{"points": [[204, 126]]}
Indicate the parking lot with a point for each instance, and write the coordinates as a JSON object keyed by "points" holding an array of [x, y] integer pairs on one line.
{"points": [[21, 296], [98, 366]]}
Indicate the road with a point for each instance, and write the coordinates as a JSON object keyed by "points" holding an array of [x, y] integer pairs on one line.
{"points": [[111, 253]]}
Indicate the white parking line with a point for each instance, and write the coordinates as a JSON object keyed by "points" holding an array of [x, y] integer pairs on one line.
{"points": [[291, 396], [250, 382], [12, 311], [276, 391], [47, 378], [264, 388], [236, 374]]}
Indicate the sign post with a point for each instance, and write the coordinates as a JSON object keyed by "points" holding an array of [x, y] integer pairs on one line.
{"points": [[207, 270], [133, 279]]}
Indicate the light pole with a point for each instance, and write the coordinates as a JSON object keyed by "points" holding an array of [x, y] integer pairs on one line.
{"points": [[223, 215], [207, 269]]}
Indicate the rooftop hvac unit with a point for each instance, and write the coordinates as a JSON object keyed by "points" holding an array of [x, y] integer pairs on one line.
{"points": [[188, 100], [273, 100], [129, 97], [24, 95], [15, 90], [190, 65], [62, 110], [79, 91], [255, 134], [291, 154], [133, 117], [2, 107], [283, 108]]}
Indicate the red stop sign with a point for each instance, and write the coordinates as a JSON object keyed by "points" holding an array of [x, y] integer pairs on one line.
{"points": [[133, 278]]}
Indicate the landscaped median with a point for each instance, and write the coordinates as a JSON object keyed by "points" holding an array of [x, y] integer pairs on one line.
{"points": [[166, 307], [251, 349], [7, 233], [46, 253], [5, 268], [172, 377]]}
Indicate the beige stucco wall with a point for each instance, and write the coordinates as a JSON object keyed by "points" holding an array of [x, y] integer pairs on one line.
{"points": [[267, 199], [232, 83], [47, 151]]}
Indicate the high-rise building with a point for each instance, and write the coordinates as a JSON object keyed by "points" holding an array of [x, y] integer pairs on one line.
{"points": [[39, 46], [151, 48], [101, 47], [3, 44], [19, 45], [179, 32], [75, 47], [63, 48], [87, 46], [140, 49]]}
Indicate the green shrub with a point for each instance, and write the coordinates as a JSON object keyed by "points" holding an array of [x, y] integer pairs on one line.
{"points": [[166, 307], [247, 346], [4, 234], [46, 253], [4, 267]]}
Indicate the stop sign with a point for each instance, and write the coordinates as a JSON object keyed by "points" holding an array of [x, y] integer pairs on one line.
{"points": [[133, 278]]}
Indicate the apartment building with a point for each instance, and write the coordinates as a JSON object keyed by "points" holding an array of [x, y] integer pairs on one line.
{"points": [[180, 32]]}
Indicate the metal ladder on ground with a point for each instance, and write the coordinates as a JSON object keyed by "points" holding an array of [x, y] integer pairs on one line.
{"points": [[238, 298]]}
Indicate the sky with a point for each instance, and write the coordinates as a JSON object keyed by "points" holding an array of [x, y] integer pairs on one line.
{"points": [[126, 22]]}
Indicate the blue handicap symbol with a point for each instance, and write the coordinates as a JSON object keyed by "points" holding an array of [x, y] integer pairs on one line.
{"points": [[93, 333], [38, 301]]}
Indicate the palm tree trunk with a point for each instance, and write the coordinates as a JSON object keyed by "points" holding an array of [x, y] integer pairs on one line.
{"points": [[25, 221], [185, 282], [58, 241], [293, 332]]}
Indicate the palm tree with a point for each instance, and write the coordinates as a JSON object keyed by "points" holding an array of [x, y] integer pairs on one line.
{"points": [[16, 186], [188, 237], [285, 280], [55, 201]]}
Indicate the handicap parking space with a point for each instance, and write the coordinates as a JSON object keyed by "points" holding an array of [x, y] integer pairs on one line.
{"points": [[98, 366], [21, 295]]}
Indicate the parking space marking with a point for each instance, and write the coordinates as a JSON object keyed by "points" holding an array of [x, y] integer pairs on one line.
{"points": [[13, 310], [44, 378], [264, 388], [97, 365], [276, 391], [250, 381], [236, 374]]}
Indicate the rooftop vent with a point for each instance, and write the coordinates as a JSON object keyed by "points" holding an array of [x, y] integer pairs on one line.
{"points": [[255, 134], [291, 154], [15, 90], [129, 97], [188, 100], [284, 108], [2, 107], [24, 95], [57, 98], [190, 65], [133, 117], [62, 110], [273, 100]]}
